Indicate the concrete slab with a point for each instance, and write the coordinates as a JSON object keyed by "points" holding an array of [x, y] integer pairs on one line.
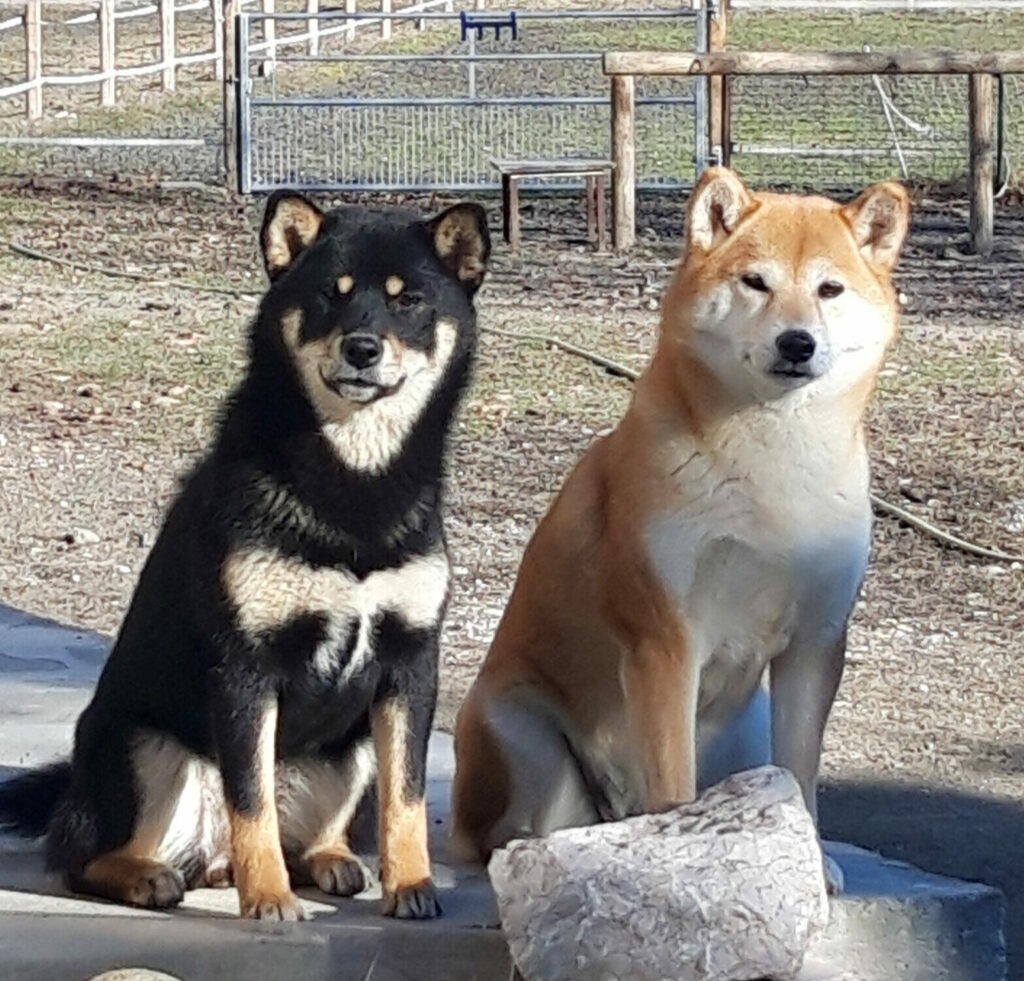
{"points": [[894, 922]]}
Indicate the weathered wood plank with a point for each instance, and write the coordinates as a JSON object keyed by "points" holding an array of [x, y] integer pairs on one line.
{"points": [[268, 66], [167, 44], [552, 168], [108, 87], [313, 27], [813, 63], [34, 58]]}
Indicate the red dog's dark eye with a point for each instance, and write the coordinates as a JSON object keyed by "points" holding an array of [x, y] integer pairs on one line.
{"points": [[829, 290], [754, 282]]}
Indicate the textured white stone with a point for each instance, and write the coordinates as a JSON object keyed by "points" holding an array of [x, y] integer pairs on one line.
{"points": [[727, 888], [134, 974]]}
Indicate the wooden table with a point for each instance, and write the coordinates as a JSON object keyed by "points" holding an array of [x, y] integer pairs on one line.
{"points": [[595, 173]]}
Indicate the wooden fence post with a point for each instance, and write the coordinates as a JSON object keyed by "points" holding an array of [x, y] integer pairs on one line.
{"points": [[385, 23], [313, 28], [34, 58], [108, 86], [231, 8], [217, 16], [983, 163], [624, 158], [718, 96], [167, 43], [270, 36]]}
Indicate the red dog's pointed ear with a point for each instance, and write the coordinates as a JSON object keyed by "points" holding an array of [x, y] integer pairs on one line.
{"points": [[291, 224], [461, 239], [718, 203], [879, 220]]}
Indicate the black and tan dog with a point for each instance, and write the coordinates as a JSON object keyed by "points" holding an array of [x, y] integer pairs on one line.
{"points": [[282, 642]]}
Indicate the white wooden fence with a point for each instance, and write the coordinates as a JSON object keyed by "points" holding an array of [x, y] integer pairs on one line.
{"points": [[108, 13]]}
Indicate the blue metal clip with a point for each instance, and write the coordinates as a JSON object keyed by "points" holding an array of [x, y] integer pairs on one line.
{"points": [[480, 22]]}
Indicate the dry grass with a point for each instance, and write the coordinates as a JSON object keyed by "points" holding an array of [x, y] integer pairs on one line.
{"points": [[110, 388]]}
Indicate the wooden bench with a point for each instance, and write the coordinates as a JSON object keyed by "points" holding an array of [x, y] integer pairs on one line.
{"points": [[596, 174]]}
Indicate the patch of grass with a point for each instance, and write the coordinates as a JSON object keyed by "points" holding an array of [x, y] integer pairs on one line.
{"points": [[919, 364], [517, 381], [848, 31]]}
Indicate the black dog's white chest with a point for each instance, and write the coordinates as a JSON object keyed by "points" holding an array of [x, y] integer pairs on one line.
{"points": [[271, 592]]}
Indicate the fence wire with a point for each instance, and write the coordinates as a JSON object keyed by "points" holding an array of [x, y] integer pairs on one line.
{"points": [[846, 131], [450, 145], [433, 119]]}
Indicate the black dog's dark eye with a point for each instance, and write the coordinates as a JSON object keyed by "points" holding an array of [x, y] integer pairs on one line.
{"points": [[754, 282], [829, 290], [409, 299]]}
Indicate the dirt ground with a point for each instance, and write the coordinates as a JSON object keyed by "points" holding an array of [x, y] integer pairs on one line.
{"points": [[110, 386]]}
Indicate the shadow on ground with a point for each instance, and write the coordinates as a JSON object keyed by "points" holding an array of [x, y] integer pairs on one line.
{"points": [[941, 830]]}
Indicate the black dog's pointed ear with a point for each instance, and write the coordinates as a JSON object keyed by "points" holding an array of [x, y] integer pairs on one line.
{"points": [[290, 224], [461, 239]]}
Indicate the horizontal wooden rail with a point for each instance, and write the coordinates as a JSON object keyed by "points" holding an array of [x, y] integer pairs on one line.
{"points": [[814, 63], [624, 66], [874, 6]]}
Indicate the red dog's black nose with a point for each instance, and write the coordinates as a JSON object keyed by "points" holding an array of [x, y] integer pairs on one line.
{"points": [[796, 346]]}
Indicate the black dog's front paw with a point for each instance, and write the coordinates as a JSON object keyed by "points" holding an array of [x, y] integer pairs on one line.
{"points": [[338, 874], [416, 902]]}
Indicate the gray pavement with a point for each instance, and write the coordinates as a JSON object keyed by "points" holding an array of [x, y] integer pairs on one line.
{"points": [[894, 922]]}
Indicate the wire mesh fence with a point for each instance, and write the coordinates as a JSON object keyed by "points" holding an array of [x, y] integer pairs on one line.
{"points": [[844, 132], [434, 119]]}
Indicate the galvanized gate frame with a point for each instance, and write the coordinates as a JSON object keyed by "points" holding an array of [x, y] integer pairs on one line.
{"points": [[699, 10]]}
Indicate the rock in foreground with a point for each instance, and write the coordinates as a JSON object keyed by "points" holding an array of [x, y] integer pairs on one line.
{"points": [[727, 888]]}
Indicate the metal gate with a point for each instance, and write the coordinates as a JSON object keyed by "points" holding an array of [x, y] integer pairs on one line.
{"points": [[429, 108]]}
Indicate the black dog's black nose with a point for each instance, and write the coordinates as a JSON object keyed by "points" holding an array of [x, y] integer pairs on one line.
{"points": [[795, 345], [361, 350]]}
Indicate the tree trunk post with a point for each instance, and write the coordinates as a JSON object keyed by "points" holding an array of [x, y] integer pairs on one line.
{"points": [[231, 8], [718, 100], [983, 163], [624, 158]]}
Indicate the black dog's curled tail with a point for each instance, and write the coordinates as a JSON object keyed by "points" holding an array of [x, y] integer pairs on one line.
{"points": [[27, 802]]}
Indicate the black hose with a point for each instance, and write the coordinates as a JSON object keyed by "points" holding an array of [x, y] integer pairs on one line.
{"points": [[1001, 163]]}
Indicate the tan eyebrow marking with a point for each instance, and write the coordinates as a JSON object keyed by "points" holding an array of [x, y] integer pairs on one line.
{"points": [[345, 284], [393, 285]]}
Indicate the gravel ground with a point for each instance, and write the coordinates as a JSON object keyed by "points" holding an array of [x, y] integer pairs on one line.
{"points": [[109, 387]]}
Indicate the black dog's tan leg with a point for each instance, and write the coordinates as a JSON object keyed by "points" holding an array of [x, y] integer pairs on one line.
{"points": [[317, 800], [246, 728], [147, 870], [131, 879], [400, 737]]}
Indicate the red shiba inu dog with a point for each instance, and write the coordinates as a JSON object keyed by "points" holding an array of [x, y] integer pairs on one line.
{"points": [[721, 529]]}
